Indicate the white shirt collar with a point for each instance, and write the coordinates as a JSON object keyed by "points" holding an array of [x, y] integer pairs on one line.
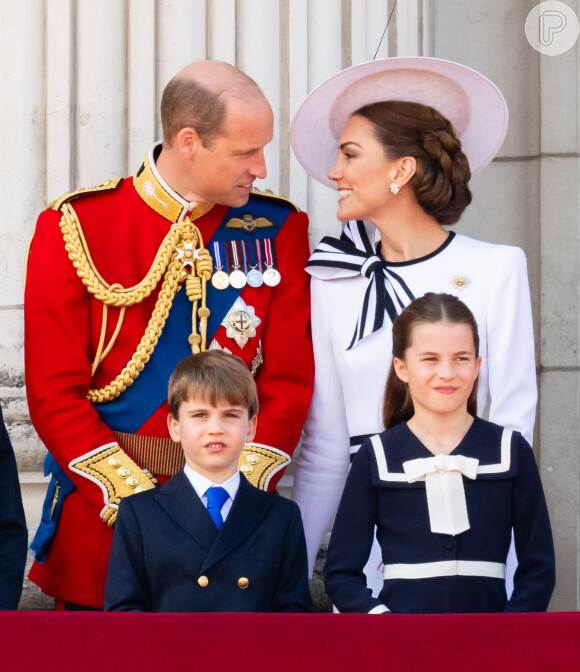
{"points": [[201, 484]]}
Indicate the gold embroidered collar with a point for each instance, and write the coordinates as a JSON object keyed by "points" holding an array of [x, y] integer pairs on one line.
{"points": [[160, 196]]}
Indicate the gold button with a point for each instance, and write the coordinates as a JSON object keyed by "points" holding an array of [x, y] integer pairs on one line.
{"points": [[115, 462], [139, 488], [203, 581], [124, 472], [243, 583], [246, 468], [460, 281], [252, 458], [132, 481]]}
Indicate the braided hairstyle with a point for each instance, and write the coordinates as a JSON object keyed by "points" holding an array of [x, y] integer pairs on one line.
{"points": [[412, 129]]}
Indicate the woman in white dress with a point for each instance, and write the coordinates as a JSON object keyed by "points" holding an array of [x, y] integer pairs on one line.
{"points": [[409, 133]]}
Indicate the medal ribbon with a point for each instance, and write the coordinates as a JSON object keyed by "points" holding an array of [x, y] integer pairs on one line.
{"points": [[244, 244], [258, 248], [235, 257], [229, 267], [217, 255], [249, 246], [270, 253]]}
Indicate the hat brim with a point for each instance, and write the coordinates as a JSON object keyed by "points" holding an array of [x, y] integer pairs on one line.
{"points": [[473, 104]]}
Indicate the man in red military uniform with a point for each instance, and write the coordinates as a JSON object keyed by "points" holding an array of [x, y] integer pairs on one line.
{"points": [[126, 279]]}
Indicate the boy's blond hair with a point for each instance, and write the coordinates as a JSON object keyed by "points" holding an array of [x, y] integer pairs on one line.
{"points": [[214, 376]]}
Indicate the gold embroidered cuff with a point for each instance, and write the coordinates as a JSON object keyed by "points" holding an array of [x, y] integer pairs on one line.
{"points": [[116, 474], [259, 463]]}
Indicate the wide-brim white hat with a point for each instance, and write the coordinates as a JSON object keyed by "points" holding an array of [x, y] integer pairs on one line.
{"points": [[473, 104]]}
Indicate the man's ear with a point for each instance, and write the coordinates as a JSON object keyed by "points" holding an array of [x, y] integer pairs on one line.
{"points": [[187, 141], [400, 369], [173, 427]]}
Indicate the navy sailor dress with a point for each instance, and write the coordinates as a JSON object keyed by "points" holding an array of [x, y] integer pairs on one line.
{"points": [[450, 570]]}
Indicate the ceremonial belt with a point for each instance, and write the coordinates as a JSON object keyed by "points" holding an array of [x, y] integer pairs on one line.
{"points": [[160, 456]]}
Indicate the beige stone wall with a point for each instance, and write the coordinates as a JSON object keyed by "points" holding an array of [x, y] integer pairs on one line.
{"points": [[81, 83]]}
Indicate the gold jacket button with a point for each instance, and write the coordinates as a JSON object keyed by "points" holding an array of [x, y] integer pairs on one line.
{"points": [[115, 462], [203, 581], [243, 583], [124, 472], [132, 481]]}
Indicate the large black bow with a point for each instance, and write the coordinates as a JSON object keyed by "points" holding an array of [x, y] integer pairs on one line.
{"points": [[354, 254]]}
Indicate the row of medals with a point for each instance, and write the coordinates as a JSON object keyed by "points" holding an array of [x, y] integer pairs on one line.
{"points": [[238, 279]]}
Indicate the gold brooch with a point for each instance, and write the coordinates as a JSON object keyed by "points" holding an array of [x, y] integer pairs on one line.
{"points": [[460, 282]]}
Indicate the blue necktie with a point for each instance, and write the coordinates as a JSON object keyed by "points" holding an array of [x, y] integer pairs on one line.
{"points": [[216, 498]]}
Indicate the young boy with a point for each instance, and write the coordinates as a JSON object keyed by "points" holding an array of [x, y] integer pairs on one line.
{"points": [[170, 551]]}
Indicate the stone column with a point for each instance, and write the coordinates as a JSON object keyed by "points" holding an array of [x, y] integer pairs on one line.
{"points": [[529, 197]]}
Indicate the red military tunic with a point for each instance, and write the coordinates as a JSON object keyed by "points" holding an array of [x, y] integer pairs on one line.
{"points": [[123, 227]]}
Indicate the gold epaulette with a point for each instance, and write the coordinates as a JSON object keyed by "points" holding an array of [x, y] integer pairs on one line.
{"points": [[107, 185], [270, 194], [259, 463]]}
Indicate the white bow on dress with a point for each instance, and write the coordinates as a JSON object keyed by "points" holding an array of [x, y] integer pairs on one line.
{"points": [[443, 476]]}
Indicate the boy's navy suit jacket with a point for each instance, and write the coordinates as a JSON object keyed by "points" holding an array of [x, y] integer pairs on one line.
{"points": [[167, 554]]}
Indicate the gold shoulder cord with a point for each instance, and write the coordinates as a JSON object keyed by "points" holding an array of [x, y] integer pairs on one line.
{"points": [[181, 247]]}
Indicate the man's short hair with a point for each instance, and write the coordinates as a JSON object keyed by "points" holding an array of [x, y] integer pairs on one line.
{"points": [[213, 376], [186, 103]]}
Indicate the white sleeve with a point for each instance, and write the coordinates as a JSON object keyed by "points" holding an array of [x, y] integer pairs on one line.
{"points": [[510, 346], [325, 453]]}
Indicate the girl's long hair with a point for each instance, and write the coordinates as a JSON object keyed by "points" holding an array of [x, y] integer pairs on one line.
{"points": [[397, 403]]}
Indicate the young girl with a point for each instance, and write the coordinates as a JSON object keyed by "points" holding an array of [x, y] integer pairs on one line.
{"points": [[443, 487]]}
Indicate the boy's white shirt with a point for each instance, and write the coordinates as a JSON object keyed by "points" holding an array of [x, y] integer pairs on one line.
{"points": [[201, 485]]}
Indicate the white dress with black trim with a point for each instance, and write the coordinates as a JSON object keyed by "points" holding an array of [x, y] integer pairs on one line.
{"points": [[350, 378], [443, 572]]}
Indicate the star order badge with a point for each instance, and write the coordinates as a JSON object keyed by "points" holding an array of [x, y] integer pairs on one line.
{"points": [[214, 345], [241, 322], [187, 253]]}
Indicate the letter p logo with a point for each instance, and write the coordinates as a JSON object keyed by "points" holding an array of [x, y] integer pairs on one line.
{"points": [[550, 23], [552, 28]]}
